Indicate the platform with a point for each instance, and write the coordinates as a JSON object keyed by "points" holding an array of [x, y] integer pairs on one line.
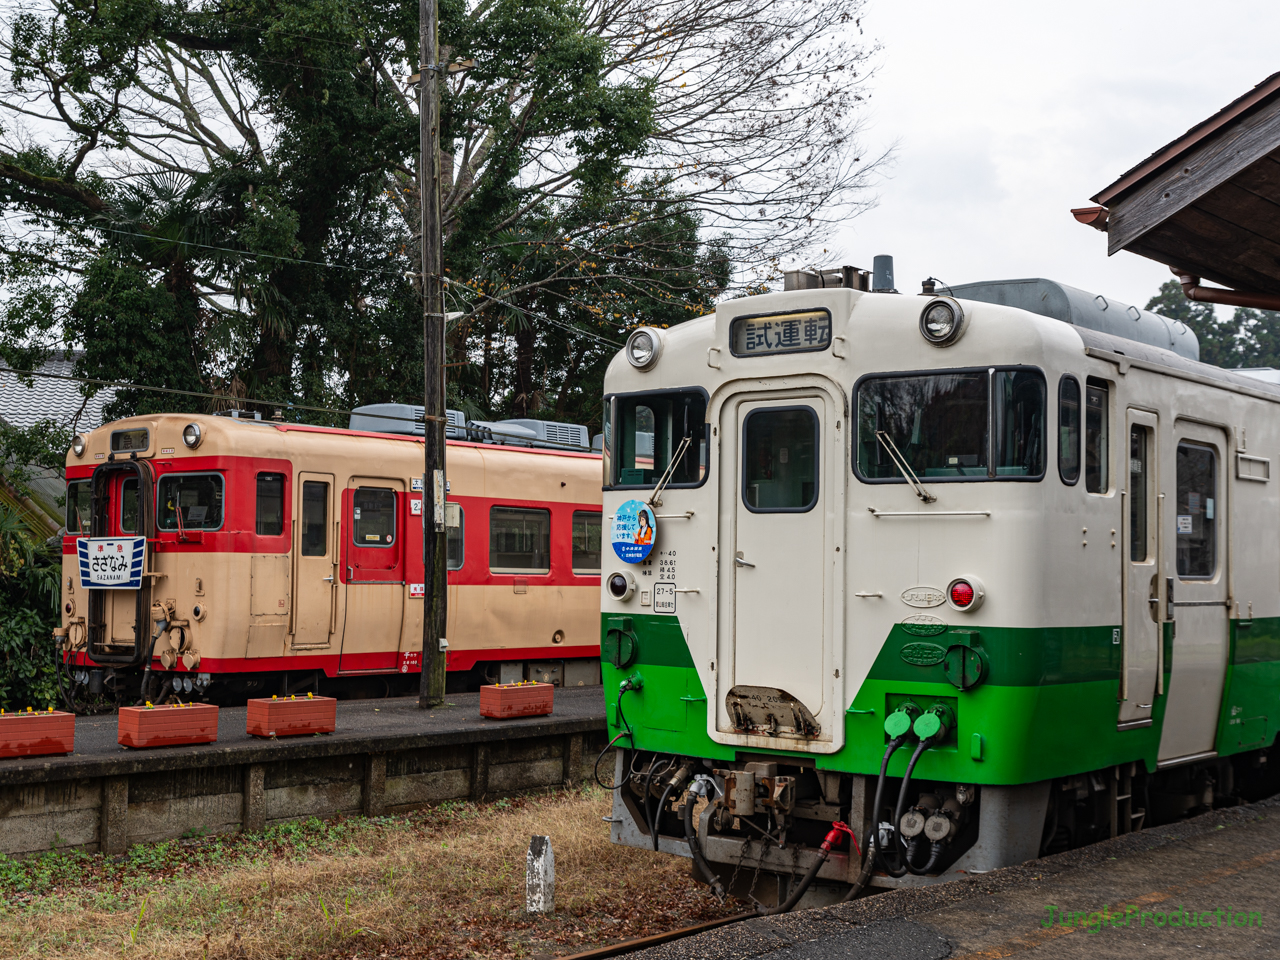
{"points": [[386, 756], [1204, 887]]}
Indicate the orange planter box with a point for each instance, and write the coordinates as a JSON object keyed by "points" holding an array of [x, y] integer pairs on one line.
{"points": [[168, 726], [37, 734], [285, 717], [502, 701]]}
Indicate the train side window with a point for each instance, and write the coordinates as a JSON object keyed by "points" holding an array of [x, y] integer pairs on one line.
{"points": [[373, 517], [1018, 415], [586, 542], [455, 540], [780, 460], [1196, 511], [270, 511], [129, 505], [79, 495], [519, 540], [315, 518], [1069, 430], [1097, 416], [189, 501], [1139, 448]]}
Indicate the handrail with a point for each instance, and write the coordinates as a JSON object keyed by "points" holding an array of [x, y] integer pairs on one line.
{"points": [[928, 513]]}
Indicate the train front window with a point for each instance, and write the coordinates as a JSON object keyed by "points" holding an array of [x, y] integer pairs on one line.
{"points": [[966, 425], [780, 460], [645, 433], [373, 517], [129, 505], [189, 501], [269, 521], [1197, 513], [79, 494]]}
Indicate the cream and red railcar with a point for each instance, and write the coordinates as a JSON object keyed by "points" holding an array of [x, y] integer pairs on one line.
{"points": [[244, 556]]}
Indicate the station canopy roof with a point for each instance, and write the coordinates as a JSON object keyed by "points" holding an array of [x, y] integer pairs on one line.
{"points": [[1209, 202]]}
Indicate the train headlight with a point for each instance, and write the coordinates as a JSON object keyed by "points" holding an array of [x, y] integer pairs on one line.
{"points": [[191, 435], [965, 593], [643, 348], [621, 585], [942, 321], [77, 445]]}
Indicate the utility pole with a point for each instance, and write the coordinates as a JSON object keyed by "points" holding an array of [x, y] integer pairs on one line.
{"points": [[435, 575]]}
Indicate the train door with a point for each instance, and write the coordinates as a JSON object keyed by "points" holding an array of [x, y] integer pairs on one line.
{"points": [[1142, 568], [374, 546], [318, 590], [1195, 522], [777, 629]]}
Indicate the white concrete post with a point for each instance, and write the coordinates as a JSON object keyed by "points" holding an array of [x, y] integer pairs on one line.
{"points": [[540, 877]]}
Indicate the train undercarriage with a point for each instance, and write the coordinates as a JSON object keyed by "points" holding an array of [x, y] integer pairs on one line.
{"points": [[756, 828]]}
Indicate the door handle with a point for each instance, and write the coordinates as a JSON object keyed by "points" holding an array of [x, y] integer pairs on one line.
{"points": [[743, 563], [327, 580]]}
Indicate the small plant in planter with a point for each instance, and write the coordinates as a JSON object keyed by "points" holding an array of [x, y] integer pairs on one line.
{"points": [[502, 701], [168, 725], [33, 734], [291, 716]]}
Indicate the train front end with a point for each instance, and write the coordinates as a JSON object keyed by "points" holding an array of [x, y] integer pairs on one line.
{"points": [[828, 614]]}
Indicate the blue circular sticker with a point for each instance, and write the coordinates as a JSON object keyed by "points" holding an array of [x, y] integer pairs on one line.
{"points": [[634, 530]]}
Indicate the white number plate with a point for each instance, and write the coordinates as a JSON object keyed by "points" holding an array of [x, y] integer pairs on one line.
{"points": [[114, 562]]}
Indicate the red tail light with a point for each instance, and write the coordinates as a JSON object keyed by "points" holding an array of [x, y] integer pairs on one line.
{"points": [[962, 594]]}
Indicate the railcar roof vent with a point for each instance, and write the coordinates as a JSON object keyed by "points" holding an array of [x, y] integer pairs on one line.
{"points": [[532, 433], [852, 278], [1071, 305], [403, 418]]}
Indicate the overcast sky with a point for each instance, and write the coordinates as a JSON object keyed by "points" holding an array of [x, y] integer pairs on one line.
{"points": [[1008, 113]]}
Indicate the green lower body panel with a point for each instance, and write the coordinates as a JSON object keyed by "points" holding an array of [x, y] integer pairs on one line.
{"points": [[1047, 705]]}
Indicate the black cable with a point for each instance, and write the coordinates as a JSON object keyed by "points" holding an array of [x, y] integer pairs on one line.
{"points": [[691, 837], [662, 805], [921, 747], [872, 847], [596, 770]]}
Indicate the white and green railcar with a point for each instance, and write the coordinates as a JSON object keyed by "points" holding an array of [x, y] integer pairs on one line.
{"points": [[1017, 578]]}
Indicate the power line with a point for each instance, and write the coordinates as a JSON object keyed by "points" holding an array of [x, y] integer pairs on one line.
{"points": [[121, 385]]}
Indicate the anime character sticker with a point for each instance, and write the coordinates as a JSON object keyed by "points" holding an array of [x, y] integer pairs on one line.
{"points": [[635, 530]]}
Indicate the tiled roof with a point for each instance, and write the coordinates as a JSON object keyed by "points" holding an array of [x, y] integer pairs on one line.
{"points": [[49, 399]]}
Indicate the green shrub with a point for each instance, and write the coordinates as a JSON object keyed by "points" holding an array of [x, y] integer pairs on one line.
{"points": [[29, 574]]}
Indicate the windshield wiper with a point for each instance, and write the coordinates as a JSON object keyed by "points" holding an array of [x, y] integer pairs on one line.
{"points": [[904, 468]]}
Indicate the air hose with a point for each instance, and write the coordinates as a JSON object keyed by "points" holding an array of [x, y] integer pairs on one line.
{"points": [[698, 789], [680, 779], [837, 830]]}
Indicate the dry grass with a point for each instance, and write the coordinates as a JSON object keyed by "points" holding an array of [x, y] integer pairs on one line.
{"points": [[442, 884]]}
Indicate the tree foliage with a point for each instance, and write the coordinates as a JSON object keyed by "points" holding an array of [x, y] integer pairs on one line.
{"points": [[1249, 338], [220, 196]]}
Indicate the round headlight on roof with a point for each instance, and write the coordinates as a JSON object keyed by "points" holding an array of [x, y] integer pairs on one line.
{"points": [[77, 445], [942, 321], [191, 435], [643, 348]]}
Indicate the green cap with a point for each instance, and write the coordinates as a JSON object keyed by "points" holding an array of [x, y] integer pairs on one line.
{"points": [[897, 723], [928, 725]]}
